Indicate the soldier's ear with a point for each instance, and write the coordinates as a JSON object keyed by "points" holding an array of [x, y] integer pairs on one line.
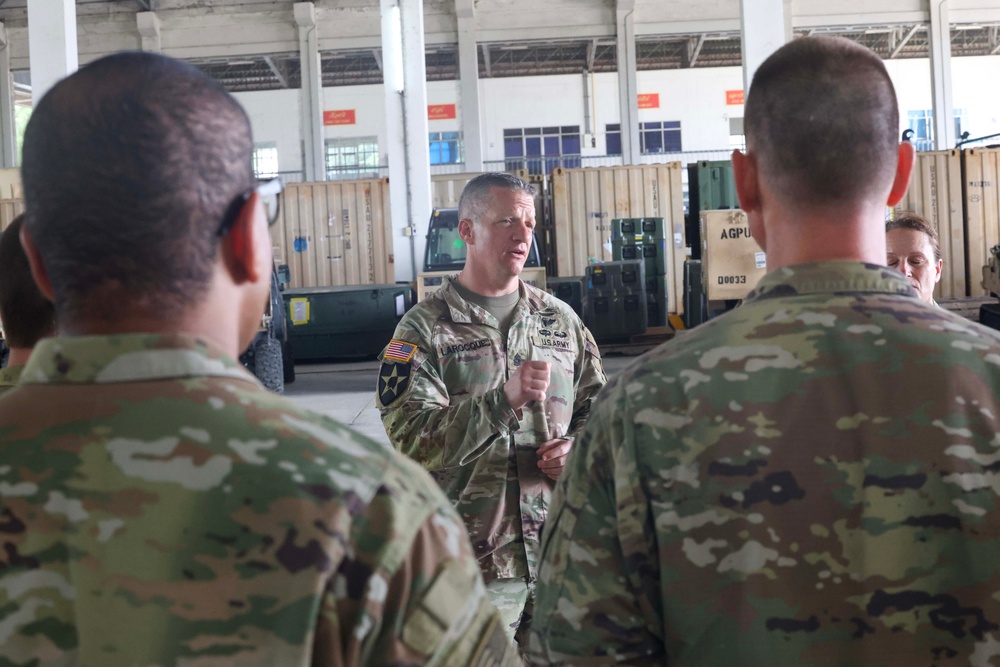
{"points": [[246, 247], [38, 270], [466, 230]]}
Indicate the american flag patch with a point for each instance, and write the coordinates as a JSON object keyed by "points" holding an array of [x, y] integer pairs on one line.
{"points": [[399, 350]]}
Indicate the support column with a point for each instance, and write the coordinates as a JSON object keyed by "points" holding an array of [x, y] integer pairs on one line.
{"points": [[765, 26], [149, 30], [8, 134], [628, 86], [52, 46], [468, 62], [405, 82], [313, 154], [944, 108]]}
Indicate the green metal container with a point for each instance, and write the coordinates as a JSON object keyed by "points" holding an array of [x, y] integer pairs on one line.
{"points": [[348, 322], [716, 186], [652, 252], [650, 228]]}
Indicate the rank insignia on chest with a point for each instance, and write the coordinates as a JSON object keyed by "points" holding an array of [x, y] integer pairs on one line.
{"points": [[393, 380]]}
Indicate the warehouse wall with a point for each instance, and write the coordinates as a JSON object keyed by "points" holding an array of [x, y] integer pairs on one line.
{"points": [[695, 97]]}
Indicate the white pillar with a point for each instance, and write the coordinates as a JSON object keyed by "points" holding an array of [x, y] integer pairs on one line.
{"points": [[8, 135], [944, 110], [51, 43], [314, 155], [628, 86], [468, 63], [765, 26], [149, 30], [405, 83]]}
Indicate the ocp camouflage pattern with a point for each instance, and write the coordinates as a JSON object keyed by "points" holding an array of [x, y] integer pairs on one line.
{"points": [[810, 479], [9, 376], [159, 507], [454, 418]]}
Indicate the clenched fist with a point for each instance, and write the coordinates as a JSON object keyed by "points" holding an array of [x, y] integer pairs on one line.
{"points": [[528, 383]]}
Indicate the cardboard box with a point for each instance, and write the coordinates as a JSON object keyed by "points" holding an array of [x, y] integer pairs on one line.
{"points": [[732, 262]]}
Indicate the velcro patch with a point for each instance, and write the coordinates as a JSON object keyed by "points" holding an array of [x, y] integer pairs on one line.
{"points": [[393, 380], [399, 350]]}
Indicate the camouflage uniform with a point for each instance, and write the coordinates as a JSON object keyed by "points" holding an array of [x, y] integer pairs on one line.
{"points": [[9, 377], [160, 507], [810, 479], [446, 408]]}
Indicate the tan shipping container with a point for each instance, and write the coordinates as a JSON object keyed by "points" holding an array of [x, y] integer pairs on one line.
{"points": [[586, 200], [982, 211], [335, 233], [446, 189], [935, 193], [732, 262], [10, 209]]}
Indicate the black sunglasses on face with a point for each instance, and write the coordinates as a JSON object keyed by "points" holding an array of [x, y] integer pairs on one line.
{"points": [[270, 197]]}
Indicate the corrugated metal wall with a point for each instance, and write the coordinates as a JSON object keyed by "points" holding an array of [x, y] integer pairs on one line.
{"points": [[982, 210], [935, 193], [335, 233], [585, 201]]}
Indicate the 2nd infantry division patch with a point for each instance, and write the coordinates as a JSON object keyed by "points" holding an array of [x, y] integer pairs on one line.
{"points": [[394, 375]]}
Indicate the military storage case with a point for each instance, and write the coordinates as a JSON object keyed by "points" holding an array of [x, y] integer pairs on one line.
{"points": [[732, 262], [344, 322], [615, 302], [570, 290], [645, 239]]}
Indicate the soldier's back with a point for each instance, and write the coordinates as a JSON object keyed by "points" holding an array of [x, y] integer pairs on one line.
{"points": [[160, 507]]}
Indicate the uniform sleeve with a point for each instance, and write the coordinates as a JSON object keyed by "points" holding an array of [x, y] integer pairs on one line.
{"points": [[410, 595], [597, 597], [426, 425], [591, 379]]}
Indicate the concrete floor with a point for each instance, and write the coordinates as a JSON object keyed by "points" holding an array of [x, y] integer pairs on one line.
{"points": [[346, 391]]}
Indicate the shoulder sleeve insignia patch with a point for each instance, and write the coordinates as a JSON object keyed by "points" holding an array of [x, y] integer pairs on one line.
{"points": [[399, 350], [393, 381]]}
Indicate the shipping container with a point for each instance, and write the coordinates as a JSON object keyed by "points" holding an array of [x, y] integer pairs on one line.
{"points": [[982, 212], [585, 201], [335, 233], [935, 193], [446, 189], [10, 209], [732, 262]]}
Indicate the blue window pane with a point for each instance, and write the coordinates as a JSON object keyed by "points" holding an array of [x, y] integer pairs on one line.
{"points": [[672, 141], [571, 145], [435, 152], [613, 127], [449, 135], [672, 125], [513, 148], [614, 141], [652, 126], [532, 146], [652, 142], [552, 146]]}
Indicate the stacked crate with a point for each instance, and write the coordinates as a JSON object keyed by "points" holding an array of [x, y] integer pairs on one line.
{"points": [[615, 301], [645, 239], [570, 290]]}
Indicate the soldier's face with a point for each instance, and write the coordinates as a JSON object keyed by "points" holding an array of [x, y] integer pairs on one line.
{"points": [[910, 252], [502, 238]]}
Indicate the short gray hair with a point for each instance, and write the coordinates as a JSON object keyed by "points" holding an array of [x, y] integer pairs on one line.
{"points": [[477, 192]]}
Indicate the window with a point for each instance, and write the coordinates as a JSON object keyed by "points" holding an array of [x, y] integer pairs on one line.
{"points": [[542, 149], [655, 137], [922, 124], [446, 148], [265, 160], [355, 157]]}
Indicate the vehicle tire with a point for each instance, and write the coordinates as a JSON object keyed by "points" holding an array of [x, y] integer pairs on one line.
{"points": [[267, 364], [288, 362]]}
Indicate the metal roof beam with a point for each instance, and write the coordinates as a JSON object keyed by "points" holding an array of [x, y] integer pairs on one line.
{"points": [[694, 49], [277, 72], [486, 58], [906, 38]]}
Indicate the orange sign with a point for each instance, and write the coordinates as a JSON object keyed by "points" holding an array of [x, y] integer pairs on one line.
{"points": [[440, 111], [649, 100], [734, 97], [339, 117]]}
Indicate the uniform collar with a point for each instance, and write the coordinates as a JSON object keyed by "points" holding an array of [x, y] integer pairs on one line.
{"points": [[464, 312], [126, 358], [840, 277]]}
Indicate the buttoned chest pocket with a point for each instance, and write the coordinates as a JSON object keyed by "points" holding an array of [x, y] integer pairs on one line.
{"points": [[555, 345]]}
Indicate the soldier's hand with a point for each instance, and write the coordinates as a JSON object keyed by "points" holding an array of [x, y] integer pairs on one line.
{"points": [[528, 383], [552, 457]]}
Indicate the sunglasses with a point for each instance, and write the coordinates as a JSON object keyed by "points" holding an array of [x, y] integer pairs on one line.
{"points": [[270, 197]]}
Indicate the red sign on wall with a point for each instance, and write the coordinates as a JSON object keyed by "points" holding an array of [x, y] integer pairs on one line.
{"points": [[649, 100], [441, 111], [339, 117], [734, 97]]}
